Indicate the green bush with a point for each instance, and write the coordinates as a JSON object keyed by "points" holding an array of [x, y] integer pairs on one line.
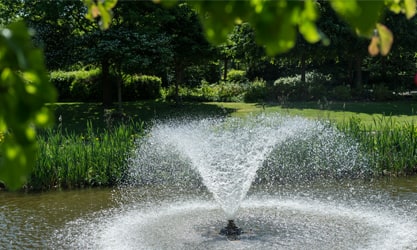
{"points": [[237, 76], [194, 75], [382, 93], [223, 91], [62, 82], [257, 91], [231, 92], [341, 93], [142, 87], [288, 88], [86, 89], [293, 89], [209, 92], [79, 85]]}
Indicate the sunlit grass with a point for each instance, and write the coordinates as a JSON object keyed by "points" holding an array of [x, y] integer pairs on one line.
{"points": [[74, 154], [91, 158], [400, 113]]}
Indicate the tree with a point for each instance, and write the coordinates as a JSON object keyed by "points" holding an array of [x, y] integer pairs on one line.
{"points": [[24, 86], [245, 49], [189, 46], [57, 26]]}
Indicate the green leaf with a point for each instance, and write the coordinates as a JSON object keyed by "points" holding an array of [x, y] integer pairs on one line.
{"points": [[102, 8], [395, 7], [410, 8], [17, 163], [109, 4], [310, 32], [373, 47], [27, 89], [381, 42], [386, 39], [105, 16], [361, 15]]}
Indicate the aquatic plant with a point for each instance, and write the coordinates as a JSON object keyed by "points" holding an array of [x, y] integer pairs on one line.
{"points": [[391, 146], [96, 158]]}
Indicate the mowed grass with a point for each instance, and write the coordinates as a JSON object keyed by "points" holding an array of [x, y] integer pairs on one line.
{"points": [[90, 145], [366, 112], [74, 116]]}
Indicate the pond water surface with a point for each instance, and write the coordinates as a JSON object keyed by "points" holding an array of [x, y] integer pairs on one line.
{"points": [[77, 219]]}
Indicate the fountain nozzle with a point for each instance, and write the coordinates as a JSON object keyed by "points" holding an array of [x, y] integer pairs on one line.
{"points": [[231, 230]]}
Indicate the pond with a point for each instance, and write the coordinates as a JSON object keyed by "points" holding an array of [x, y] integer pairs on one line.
{"points": [[344, 215], [285, 182]]}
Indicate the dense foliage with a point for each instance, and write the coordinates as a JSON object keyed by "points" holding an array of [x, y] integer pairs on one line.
{"points": [[94, 158], [148, 39], [24, 90]]}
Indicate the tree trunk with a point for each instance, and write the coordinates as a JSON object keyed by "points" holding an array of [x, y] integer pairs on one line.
{"points": [[119, 93], [106, 83], [179, 76], [226, 62], [358, 72], [303, 68]]}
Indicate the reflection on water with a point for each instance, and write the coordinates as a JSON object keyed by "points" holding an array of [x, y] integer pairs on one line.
{"points": [[33, 220], [29, 220]]}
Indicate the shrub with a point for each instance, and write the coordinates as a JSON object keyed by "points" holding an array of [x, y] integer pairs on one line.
{"points": [[341, 93], [76, 85], [257, 91], [292, 88], [231, 92], [62, 82], [142, 87], [194, 75], [86, 89], [209, 92], [382, 93], [237, 76], [287, 88]]}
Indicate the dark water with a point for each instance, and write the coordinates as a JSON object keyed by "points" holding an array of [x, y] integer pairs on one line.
{"points": [[27, 221], [37, 221]]}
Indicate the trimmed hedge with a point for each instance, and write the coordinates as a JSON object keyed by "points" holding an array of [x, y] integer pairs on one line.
{"points": [[237, 76], [141, 87], [85, 85], [79, 85]]}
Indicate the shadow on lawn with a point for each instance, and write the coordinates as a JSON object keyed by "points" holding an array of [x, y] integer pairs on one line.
{"points": [[74, 116], [383, 108]]}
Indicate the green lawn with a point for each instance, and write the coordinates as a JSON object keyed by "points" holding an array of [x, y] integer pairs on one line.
{"points": [[75, 115], [82, 155], [367, 112]]}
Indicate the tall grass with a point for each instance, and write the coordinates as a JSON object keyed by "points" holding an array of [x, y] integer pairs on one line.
{"points": [[392, 146], [96, 158]]}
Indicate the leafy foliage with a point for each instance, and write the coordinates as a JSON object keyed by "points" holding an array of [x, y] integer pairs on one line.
{"points": [[70, 160], [237, 76], [81, 85], [142, 87], [24, 90]]}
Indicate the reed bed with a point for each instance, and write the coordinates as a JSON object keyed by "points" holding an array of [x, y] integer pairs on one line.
{"points": [[390, 145], [95, 158]]}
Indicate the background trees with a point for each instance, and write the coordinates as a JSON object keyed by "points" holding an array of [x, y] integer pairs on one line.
{"points": [[149, 39]]}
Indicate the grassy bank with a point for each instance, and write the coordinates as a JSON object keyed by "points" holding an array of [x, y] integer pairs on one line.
{"points": [[391, 144], [89, 146], [75, 115], [92, 158]]}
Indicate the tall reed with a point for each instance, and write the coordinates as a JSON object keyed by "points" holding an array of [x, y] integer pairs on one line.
{"points": [[391, 146], [95, 158]]}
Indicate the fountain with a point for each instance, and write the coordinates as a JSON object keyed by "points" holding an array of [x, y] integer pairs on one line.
{"points": [[279, 183]]}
